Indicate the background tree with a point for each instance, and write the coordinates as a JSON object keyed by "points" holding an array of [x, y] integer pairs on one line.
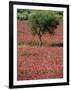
{"points": [[42, 22], [22, 14]]}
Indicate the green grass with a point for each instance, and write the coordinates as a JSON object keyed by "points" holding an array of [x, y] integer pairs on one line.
{"points": [[30, 44]]}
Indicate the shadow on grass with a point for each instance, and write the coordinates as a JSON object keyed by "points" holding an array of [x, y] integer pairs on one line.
{"points": [[56, 45]]}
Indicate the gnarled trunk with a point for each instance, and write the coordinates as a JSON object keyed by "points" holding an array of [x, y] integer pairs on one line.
{"points": [[40, 41], [39, 35]]}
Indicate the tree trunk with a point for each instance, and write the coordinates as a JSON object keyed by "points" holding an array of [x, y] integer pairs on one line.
{"points": [[39, 35], [40, 40]]}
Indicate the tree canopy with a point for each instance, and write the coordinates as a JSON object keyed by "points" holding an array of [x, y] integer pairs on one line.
{"points": [[45, 22]]}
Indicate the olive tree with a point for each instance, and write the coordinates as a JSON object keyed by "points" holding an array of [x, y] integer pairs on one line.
{"points": [[42, 22]]}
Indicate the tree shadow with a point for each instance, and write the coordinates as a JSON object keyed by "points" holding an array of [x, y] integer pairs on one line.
{"points": [[56, 45]]}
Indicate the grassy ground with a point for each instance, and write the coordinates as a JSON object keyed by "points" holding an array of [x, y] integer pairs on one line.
{"points": [[40, 63], [35, 62]]}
